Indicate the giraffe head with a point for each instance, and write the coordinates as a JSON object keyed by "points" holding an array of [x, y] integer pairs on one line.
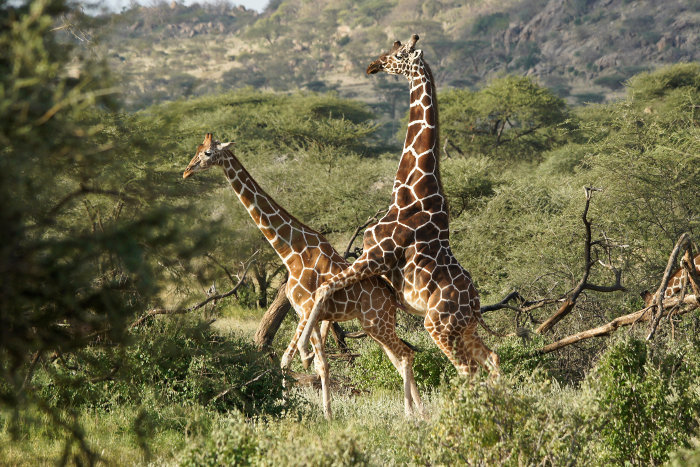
{"points": [[209, 154], [399, 60]]}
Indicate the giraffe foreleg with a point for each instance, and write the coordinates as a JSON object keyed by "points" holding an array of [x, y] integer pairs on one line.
{"points": [[322, 369], [291, 350]]}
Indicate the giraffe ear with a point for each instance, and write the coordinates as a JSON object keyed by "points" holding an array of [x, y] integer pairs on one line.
{"points": [[207, 138], [397, 44], [225, 145]]}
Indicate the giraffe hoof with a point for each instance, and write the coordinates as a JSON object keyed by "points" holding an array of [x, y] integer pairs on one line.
{"points": [[306, 361], [286, 361]]}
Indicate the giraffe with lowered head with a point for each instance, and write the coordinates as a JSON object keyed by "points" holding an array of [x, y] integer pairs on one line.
{"points": [[410, 244], [311, 260]]}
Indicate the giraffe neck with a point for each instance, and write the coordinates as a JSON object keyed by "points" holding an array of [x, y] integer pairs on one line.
{"points": [[418, 176], [282, 230]]}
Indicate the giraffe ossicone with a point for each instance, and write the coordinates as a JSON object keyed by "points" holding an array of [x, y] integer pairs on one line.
{"points": [[310, 260], [410, 244]]}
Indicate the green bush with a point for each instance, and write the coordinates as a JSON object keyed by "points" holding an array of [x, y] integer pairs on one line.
{"points": [[232, 442], [372, 369], [169, 362], [497, 424], [235, 441], [648, 402], [519, 359]]}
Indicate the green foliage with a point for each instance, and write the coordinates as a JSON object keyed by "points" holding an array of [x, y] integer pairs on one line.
{"points": [[520, 360], [490, 23], [235, 441], [648, 403], [232, 442], [168, 362], [494, 424], [512, 118], [373, 370], [467, 182], [650, 137], [684, 77]]}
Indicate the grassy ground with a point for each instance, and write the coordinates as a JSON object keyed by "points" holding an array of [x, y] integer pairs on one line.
{"points": [[636, 404]]}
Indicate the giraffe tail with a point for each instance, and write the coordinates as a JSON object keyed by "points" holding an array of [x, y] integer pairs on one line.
{"points": [[483, 324], [410, 346]]}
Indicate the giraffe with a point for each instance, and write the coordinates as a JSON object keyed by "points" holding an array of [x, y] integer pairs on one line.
{"points": [[310, 260], [675, 283], [410, 244]]}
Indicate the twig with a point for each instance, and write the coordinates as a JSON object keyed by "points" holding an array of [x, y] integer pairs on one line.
{"points": [[180, 311], [359, 229], [218, 263]]}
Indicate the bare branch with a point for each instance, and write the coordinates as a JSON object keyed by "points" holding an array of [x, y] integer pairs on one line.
{"points": [[359, 229], [690, 302], [583, 284], [504, 303], [181, 311]]}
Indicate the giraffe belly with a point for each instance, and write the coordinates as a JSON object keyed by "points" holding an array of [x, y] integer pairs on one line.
{"points": [[414, 304]]}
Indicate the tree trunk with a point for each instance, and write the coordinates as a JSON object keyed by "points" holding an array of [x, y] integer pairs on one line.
{"points": [[272, 319], [262, 280]]}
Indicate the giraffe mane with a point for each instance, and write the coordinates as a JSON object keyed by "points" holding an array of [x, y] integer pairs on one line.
{"points": [[429, 72]]}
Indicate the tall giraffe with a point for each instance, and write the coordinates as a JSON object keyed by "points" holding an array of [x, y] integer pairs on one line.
{"points": [[410, 244], [675, 282], [311, 260]]}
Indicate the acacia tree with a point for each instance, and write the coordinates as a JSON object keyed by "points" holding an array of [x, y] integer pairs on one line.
{"points": [[511, 118], [76, 243]]}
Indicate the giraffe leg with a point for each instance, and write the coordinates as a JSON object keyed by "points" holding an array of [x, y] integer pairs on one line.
{"points": [[359, 270], [478, 351], [401, 356], [292, 347], [449, 339], [321, 367]]}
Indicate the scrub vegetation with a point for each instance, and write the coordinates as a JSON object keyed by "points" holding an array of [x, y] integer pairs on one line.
{"points": [[106, 251]]}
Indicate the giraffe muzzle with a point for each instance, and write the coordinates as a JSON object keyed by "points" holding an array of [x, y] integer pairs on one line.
{"points": [[190, 170], [374, 67]]}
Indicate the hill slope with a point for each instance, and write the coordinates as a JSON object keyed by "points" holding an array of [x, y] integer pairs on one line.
{"points": [[584, 49]]}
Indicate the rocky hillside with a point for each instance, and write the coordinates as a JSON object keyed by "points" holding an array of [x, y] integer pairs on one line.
{"points": [[583, 49]]}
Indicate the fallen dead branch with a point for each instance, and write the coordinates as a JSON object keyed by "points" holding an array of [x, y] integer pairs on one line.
{"points": [[583, 284], [674, 306]]}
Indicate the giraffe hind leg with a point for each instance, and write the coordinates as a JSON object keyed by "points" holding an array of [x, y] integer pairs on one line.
{"points": [[401, 356], [359, 270]]}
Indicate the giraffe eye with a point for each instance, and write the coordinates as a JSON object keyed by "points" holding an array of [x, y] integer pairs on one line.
{"points": [[207, 152], [399, 56]]}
